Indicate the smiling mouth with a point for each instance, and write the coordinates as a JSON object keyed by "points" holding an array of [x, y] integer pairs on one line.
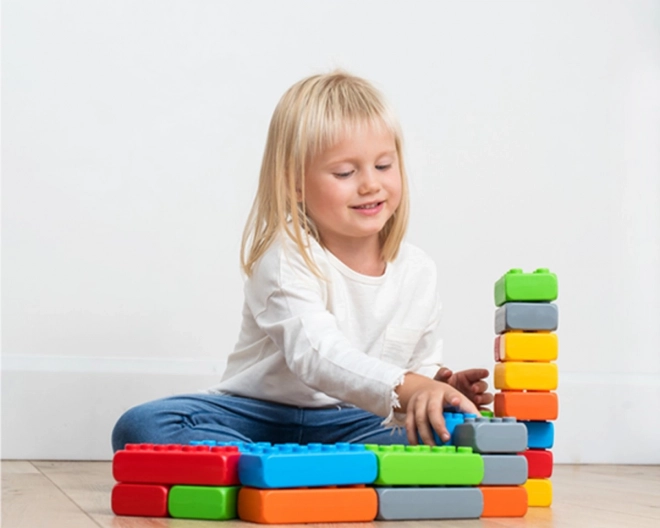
{"points": [[367, 206]]}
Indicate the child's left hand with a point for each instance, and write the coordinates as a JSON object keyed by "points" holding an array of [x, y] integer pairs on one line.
{"points": [[469, 382]]}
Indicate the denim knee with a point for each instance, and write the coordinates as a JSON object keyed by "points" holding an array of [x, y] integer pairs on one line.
{"points": [[131, 426]]}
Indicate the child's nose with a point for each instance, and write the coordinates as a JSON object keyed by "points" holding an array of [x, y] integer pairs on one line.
{"points": [[369, 183]]}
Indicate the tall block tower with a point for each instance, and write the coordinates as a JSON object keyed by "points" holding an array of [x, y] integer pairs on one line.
{"points": [[526, 374]]}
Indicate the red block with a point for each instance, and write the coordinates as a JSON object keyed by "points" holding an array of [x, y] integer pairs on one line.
{"points": [[146, 500], [539, 463], [496, 348], [177, 464]]}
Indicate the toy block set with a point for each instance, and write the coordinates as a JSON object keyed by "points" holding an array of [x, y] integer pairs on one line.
{"points": [[494, 465], [479, 474], [525, 351]]}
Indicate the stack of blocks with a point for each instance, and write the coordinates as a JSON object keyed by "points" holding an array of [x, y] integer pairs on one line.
{"points": [[525, 351], [319, 483], [199, 482], [498, 440], [424, 482]]}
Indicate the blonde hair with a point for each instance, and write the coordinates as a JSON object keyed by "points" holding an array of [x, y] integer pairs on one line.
{"points": [[312, 116]]}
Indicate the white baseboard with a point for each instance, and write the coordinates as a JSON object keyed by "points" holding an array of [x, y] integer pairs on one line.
{"points": [[65, 409]]}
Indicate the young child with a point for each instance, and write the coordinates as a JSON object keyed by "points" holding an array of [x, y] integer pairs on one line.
{"points": [[340, 335]]}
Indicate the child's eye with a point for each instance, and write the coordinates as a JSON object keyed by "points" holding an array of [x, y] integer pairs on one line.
{"points": [[343, 174], [383, 167]]}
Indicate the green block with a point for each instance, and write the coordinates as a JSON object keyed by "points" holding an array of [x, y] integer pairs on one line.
{"points": [[516, 286], [203, 502], [487, 413], [424, 465]]}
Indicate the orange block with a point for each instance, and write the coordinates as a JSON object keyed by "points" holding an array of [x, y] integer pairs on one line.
{"points": [[527, 405], [307, 505], [504, 501]]}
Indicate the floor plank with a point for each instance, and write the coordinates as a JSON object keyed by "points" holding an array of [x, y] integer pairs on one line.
{"points": [[30, 500], [607, 496]]}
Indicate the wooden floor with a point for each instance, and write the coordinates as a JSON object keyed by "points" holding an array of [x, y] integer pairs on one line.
{"points": [[77, 495]]}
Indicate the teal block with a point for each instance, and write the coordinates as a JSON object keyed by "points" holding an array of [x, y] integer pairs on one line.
{"points": [[540, 435], [294, 465]]}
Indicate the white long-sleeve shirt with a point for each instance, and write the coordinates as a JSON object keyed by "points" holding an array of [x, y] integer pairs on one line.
{"points": [[310, 342]]}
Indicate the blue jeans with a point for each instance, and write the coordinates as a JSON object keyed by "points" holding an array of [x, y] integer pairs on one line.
{"points": [[180, 419]]}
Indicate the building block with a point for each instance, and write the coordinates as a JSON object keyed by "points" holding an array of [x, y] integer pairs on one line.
{"points": [[526, 316], [504, 501], [540, 435], [541, 285], [203, 502], [504, 470], [539, 492], [429, 503], [400, 465], [293, 465], [526, 346], [176, 464], [452, 419], [491, 435], [539, 463], [242, 446], [144, 500], [487, 413], [313, 505], [519, 375], [527, 405]]}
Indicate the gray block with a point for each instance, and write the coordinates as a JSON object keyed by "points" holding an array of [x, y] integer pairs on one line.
{"points": [[491, 435], [526, 316], [504, 470], [429, 503]]}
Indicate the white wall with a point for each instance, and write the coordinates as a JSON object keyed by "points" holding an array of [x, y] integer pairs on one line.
{"points": [[132, 137]]}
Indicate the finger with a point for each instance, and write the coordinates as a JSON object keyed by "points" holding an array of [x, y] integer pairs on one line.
{"points": [[443, 374], [437, 420], [473, 375], [479, 387], [483, 399], [411, 429], [457, 399], [422, 422]]}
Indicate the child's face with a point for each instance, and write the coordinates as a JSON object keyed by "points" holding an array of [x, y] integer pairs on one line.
{"points": [[353, 188]]}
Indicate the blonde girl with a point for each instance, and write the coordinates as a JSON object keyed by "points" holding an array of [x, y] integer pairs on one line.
{"points": [[340, 334]]}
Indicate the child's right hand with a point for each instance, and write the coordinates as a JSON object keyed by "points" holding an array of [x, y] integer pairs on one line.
{"points": [[424, 400]]}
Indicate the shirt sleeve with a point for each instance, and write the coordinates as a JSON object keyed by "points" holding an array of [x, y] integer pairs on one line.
{"points": [[289, 304]]}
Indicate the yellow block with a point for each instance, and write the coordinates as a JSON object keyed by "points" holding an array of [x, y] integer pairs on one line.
{"points": [[516, 375], [526, 346], [539, 492]]}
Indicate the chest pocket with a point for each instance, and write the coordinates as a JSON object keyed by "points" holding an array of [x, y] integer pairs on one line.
{"points": [[399, 344]]}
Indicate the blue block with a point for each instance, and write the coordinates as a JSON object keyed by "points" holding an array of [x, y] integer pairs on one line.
{"points": [[294, 465], [452, 419], [540, 435]]}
